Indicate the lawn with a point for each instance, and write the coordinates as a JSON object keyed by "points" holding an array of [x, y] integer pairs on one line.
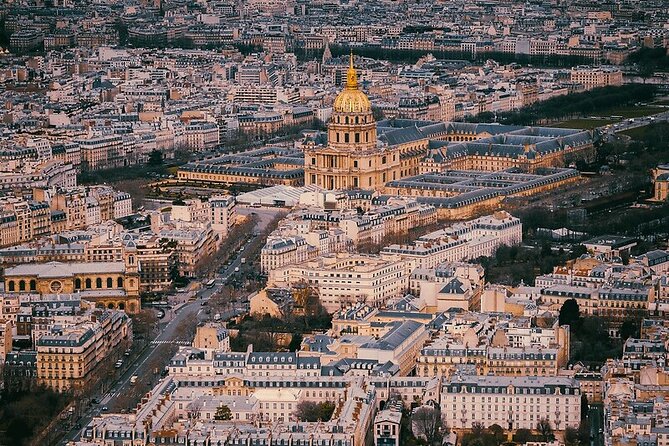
{"points": [[641, 133], [625, 112], [583, 123], [632, 111]]}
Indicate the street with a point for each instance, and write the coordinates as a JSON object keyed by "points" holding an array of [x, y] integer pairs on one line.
{"points": [[171, 332], [596, 418]]}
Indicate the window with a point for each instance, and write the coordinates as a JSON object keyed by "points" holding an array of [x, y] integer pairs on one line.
{"points": [[22, 285], [357, 137], [383, 160], [11, 286], [33, 285], [313, 161], [355, 164], [346, 137], [98, 282], [77, 283], [119, 282], [110, 282], [88, 283]]}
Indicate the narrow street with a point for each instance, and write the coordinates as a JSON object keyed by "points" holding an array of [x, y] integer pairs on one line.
{"points": [[151, 362]]}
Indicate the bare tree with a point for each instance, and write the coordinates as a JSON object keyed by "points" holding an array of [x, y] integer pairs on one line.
{"points": [[426, 423], [193, 409], [546, 430]]}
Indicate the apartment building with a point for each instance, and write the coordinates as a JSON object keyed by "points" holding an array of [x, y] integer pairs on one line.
{"points": [[202, 136], [343, 279], [223, 213], [68, 357], [596, 77], [511, 402], [102, 152]]}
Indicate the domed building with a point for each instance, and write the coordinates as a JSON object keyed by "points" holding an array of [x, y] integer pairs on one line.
{"points": [[353, 157]]}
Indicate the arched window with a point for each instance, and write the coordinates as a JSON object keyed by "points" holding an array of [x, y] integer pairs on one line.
{"points": [[121, 306], [88, 283], [110, 305], [346, 120], [77, 284], [11, 285], [33, 285], [110, 282], [98, 282], [119, 282], [22, 285]]}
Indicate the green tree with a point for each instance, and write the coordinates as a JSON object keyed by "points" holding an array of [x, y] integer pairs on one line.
{"points": [[585, 407], [571, 437], [311, 411], [497, 434], [629, 329], [223, 413], [570, 312], [155, 158], [522, 436]]}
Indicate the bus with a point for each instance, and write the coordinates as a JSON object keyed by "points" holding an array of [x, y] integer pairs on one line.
{"points": [[211, 283]]}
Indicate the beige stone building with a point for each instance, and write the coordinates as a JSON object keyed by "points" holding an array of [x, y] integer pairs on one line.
{"points": [[68, 358], [354, 158], [661, 183]]}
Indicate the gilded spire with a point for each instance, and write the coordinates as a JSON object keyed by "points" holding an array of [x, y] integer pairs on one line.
{"points": [[351, 75]]}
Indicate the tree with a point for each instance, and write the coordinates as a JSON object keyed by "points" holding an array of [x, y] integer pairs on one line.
{"points": [[571, 437], [497, 434], [584, 433], [223, 413], [629, 329], [426, 423], [311, 411], [570, 312], [585, 408], [522, 436], [545, 430], [478, 429], [155, 158], [194, 409]]}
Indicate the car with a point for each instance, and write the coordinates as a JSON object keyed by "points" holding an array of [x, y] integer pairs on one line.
{"points": [[95, 401], [104, 408]]}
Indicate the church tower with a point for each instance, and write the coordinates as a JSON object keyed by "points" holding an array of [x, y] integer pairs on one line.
{"points": [[352, 158]]}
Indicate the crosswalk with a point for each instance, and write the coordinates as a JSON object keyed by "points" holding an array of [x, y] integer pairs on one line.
{"points": [[177, 342]]}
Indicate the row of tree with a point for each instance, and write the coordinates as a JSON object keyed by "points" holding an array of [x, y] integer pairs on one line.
{"points": [[572, 106], [411, 56]]}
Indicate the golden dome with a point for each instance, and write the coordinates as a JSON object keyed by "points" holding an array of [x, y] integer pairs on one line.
{"points": [[351, 99]]}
